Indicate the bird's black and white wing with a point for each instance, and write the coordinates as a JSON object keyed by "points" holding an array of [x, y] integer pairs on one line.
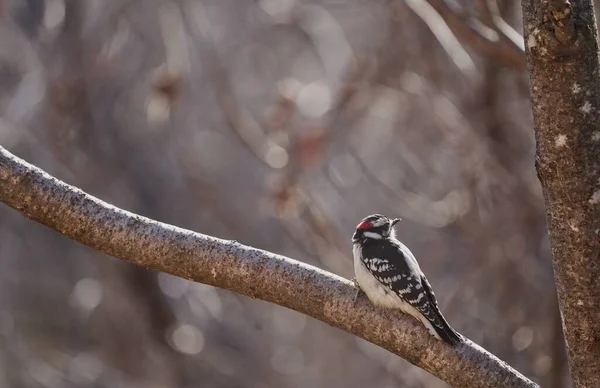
{"points": [[404, 286]]}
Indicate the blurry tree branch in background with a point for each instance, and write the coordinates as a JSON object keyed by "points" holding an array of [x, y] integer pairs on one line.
{"points": [[498, 41], [562, 56], [229, 265]]}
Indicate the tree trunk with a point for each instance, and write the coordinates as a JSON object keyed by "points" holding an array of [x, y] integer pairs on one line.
{"points": [[562, 57]]}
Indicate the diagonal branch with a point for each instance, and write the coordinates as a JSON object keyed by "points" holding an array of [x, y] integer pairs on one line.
{"points": [[249, 271], [502, 44]]}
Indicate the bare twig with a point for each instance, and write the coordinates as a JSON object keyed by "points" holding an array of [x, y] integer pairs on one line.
{"points": [[501, 43], [501, 26], [249, 271]]}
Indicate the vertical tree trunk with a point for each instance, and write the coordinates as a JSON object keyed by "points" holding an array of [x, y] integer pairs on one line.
{"points": [[562, 57]]}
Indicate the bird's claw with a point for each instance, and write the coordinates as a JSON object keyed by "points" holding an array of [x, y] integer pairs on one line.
{"points": [[359, 291]]}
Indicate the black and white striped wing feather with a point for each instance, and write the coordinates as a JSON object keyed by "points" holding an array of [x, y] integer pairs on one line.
{"points": [[393, 265]]}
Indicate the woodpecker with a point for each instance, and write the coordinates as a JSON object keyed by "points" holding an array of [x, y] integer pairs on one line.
{"points": [[388, 273]]}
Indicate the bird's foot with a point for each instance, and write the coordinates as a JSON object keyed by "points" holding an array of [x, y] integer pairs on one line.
{"points": [[359, 291]]}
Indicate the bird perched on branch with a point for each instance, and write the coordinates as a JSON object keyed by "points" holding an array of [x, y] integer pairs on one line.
{"points": [[388, 273]]}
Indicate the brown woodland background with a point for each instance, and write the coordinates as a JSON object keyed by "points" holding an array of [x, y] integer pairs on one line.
{"points": [[277, 123]]}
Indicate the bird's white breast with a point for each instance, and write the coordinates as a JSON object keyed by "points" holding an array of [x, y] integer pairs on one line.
{"points": [[378, 293]]}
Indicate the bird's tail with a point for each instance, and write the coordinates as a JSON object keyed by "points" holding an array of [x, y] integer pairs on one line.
{"points": [[440, 325], [447, 333]]}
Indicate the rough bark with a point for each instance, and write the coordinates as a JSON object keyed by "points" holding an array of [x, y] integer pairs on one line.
{"points": [[249, 271], [562, 57]]}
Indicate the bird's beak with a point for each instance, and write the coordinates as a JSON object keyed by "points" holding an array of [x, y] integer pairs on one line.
{"points": [[396, 220]]}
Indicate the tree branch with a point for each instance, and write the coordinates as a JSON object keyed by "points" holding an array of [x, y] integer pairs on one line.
{"points": [[502, 44], [249, 271]]}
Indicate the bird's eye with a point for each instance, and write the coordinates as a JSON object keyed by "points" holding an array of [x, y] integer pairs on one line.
{"points": [[364, 225]]}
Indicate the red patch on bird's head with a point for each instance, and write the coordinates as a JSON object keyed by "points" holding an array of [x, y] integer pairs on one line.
{"points": [[364, 225]]}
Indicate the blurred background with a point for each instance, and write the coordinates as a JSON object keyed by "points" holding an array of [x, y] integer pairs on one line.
{"points": [[280, 124]]}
